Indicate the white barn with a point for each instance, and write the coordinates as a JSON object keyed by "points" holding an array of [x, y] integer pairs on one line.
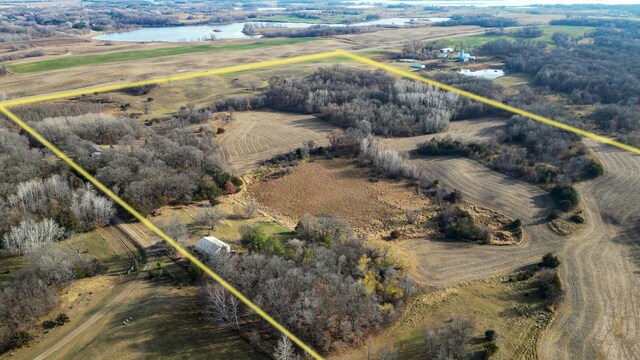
{"points": [[210, 245]]}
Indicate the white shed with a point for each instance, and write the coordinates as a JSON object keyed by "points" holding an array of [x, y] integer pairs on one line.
{"points": [[209, 246]]}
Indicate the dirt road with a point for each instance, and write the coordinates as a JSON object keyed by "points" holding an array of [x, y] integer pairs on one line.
{"points": [[119, 233]]}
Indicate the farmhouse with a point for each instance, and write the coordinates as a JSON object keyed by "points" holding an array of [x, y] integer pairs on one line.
{"points": [[209, 245], [464, 56]]}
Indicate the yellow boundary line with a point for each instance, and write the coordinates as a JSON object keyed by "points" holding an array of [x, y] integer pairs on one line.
{"points": [[303, 58], [230, 69], [493, 103], [157, 231]]}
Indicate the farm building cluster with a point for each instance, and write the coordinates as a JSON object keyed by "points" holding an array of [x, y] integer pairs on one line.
{"points": [[461, 56]]}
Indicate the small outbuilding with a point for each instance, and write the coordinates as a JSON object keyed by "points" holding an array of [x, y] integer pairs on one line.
{"points": [[446, 50], [209, 246], [464, 56]]}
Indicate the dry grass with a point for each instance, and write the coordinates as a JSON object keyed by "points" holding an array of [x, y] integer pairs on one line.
{"points": [[511, 308], [338, 187]]}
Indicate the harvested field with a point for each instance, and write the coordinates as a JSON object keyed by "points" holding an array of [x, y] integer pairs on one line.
{"points": [[337, 187], [254, 136], [477, 130], [396, 38], [442, 264], [599, 317]]}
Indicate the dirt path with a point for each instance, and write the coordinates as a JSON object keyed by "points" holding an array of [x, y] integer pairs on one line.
{"points": [[600, 315], [122, 292], [124, 236]]}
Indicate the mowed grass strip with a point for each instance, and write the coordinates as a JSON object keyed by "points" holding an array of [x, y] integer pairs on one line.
{"points": [[80, 60]]}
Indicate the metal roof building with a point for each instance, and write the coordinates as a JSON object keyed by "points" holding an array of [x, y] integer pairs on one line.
{"points": [[210, 245]]}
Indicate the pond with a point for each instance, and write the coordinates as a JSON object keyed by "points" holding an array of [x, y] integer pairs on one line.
{"points": [[226, 31], [484, 73]]}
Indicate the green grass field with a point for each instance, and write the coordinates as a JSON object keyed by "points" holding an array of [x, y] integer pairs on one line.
{"points": [[475, 41], [80, 60]]}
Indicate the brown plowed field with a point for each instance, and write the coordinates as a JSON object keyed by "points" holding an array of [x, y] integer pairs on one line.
{"points": [[337, 187], [254, 136]]}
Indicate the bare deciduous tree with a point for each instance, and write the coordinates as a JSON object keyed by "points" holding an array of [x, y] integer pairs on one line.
{"points": [[30, 235], [210, 218], [251, 208], [223, 306], [284, 350], [412, 215], [175, 229]]}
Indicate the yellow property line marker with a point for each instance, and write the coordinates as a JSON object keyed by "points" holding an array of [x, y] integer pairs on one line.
{"points": [[303, 58], [487, 101], [230, 69], [166, 79], [157, 231]]}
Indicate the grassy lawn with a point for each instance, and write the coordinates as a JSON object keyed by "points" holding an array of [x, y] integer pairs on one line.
{"points": [[80, 60], [90, 243]]}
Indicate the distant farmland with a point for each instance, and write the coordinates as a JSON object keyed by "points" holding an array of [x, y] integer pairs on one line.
{"points": [[96, 59]]}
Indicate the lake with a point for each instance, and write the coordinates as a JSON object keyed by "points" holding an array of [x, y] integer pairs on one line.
{"points": [[485, 73], [226, 31]]}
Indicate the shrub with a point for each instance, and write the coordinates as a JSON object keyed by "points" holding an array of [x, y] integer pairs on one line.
{"points": [[395, 234], [577, 218], [549, 286], [490, 349], [48, 324], [491, 335], [19, 339], [453, 197], [459, 224], [565, 196], [550, 261], [62, 319]]}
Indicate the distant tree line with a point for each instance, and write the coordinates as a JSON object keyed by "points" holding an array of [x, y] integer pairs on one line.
{"points": [[311, 31], [597, 22], [588, 73], [482, 20]]}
